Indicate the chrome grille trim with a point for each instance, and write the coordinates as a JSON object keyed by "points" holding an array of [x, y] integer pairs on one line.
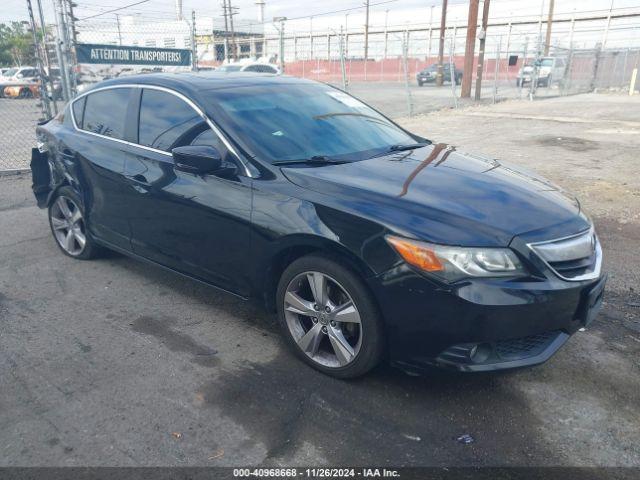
{"points": [[574, 247]]}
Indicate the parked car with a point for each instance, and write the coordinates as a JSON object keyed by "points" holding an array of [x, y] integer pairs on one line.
{"points": [[18, 76], [430, 73], [550, 70], [249, 67], [30, 90], [368, 241]]}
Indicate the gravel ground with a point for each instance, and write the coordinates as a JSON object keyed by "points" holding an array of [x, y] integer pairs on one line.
{"points": [[114, 362]]}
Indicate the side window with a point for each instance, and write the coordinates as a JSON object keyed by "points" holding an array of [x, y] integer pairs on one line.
{"points": [[78, 110], [209, 139], [167, 121], [252, 68], [105, 112]]}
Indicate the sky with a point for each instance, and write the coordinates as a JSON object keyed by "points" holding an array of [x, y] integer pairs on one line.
{"points": [[400, 12]]}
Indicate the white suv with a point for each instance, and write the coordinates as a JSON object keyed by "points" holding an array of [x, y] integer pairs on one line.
{"points": [[550, 70]]}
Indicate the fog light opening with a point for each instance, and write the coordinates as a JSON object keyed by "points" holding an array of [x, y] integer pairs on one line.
{"points": [[480, 353]]}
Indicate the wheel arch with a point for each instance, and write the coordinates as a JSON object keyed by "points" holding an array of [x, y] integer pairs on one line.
{"points": [[297, 246]]}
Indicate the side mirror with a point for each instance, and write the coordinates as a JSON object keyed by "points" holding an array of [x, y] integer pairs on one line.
{"points": [[201, 159]]}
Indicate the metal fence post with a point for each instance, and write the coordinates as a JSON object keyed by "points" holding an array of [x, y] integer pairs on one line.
{"points": [[405, 54], [452, 68], [194, 47], [593, 84], [44, 98], [566, 81], [342, 63], [497, 70], [61, 51]]}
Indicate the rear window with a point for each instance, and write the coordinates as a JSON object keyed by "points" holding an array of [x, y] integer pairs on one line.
{"points": [[105, 112]]}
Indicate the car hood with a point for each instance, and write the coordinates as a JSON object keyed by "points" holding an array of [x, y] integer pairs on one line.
{"points": [[441, 195]]}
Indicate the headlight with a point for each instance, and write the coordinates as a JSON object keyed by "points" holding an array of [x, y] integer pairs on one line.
{"points": [[455, 263]]}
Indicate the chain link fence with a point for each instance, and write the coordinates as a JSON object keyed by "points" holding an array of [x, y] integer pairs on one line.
{"points": [[392, 68]]}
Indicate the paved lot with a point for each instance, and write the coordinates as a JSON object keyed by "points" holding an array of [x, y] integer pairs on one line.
{"points": [[114, 362]]}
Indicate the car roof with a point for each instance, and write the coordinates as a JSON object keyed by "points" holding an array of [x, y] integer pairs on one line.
{"points": [[209, 80], [195, 85]]}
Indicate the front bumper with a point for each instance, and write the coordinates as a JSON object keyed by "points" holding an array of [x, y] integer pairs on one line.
{"points": [[480, 324]]}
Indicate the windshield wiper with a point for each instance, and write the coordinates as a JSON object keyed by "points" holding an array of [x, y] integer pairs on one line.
{"points": [[315, 160], [402, 147]]}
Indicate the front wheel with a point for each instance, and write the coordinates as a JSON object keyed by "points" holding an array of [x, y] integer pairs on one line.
{"points": [[329, 317], [420, 83], [67, 222]]}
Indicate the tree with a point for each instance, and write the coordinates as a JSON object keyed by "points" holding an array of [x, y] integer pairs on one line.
{"points": [[16, 44]]}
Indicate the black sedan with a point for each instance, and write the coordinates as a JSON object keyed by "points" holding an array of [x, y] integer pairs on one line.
{"points": [[430, 73], [368, 241]]}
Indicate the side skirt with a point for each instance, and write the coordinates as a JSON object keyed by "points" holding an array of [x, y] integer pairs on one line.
{"points": [[135, 256]]}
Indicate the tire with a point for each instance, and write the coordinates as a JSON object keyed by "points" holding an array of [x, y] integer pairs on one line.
{"points": [[420, 84], [311, 330], [26, 93], [68, 227]]}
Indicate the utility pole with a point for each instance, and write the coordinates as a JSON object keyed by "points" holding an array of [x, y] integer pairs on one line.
{"points": [[469, 50], [549, 25], [72, 22], [430, 31], [443, 25], [226, 31], [605, 34], [366, 33], [483, 40], [119, 32]]}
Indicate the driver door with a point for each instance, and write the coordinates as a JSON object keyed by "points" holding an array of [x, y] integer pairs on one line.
{"points": [[195, 224]]}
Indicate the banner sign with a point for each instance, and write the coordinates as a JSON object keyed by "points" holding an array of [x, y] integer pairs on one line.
{"points": [[124, 55]]}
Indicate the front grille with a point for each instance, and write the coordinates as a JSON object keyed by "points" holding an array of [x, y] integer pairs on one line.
{"points": [[524, 346], [574, 268], [574, 258]]}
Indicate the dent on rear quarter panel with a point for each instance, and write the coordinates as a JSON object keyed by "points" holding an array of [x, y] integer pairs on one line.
{"points": [[41, 177]]}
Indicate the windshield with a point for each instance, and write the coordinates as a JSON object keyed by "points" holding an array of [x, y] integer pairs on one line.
{"points": [[230, 68], [11, 72], [294, 122], [547, 62]]}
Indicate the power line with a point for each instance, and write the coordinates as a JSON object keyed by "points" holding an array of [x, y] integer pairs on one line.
{"points": [[114, 10]]}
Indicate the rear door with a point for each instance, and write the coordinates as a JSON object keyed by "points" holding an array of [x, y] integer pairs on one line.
{"points": [[196, 224], [100, 149]]}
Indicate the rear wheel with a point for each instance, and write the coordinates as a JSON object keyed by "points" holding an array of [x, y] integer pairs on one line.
{"points": [[67, 221], [329, 317], [26, 93]]}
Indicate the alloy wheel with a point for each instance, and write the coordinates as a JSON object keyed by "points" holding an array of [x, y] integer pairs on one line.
{"points": [[323, 319], [68, 226]]}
